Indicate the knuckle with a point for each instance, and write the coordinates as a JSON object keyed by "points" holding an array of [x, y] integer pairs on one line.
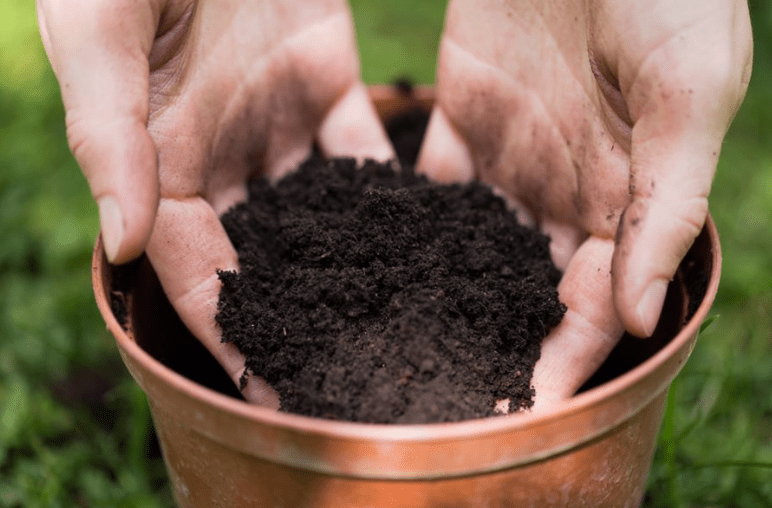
{"points": [[79, 136], [691, 217]]}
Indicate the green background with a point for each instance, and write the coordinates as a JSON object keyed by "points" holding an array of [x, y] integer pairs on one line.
{"points": [[76, 431]]}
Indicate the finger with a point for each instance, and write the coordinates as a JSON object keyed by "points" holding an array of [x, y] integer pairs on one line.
{"points": [[590, 329], [286, 151], [564, 241], [682, 101], [318, 94], [99, 51], [444, 155], [187, 248], [352, 128]]}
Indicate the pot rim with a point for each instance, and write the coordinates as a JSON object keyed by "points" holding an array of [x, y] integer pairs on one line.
{"points": [[429, 432]]}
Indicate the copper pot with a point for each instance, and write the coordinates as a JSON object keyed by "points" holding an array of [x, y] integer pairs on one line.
{"points": [[593, 451]]}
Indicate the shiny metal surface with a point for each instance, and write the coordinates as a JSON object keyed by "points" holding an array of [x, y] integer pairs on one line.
{"points": [[595, 450]]}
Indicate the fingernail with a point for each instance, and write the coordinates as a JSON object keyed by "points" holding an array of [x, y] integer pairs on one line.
{"points": [[650, 306], [111, 222]]}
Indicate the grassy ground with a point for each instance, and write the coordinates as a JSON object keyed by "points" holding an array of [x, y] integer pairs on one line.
{"points": [[75, 430]]}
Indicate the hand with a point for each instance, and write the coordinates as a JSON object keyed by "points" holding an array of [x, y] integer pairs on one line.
{"points": [[603, 121], [171, 105]]}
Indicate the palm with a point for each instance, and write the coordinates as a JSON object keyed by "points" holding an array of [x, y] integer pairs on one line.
{"points": [[240, 88]]}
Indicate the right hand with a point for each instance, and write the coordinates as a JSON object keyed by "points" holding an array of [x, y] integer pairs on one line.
{"points": [[603, 120], [171, 105]]}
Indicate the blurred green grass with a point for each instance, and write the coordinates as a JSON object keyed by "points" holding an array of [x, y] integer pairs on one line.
{"points": [[75, 430]]}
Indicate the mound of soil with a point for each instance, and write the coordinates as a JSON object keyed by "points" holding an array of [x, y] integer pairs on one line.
{"points": [[375, 295]]}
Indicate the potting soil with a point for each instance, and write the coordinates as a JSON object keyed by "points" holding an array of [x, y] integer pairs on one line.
{"points": [[375, 295]]}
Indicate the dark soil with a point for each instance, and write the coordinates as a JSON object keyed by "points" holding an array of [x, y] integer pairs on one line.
{"points": [[374, 295], [406, 132], [407, 129]]}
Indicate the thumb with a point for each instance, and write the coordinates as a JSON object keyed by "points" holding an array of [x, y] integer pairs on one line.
{"points": [[655, 232], [682, 98], [99, 53], [665, 215], [674, 151]]}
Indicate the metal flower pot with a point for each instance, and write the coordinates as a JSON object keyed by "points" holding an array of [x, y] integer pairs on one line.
{"points": [[593, 451]]}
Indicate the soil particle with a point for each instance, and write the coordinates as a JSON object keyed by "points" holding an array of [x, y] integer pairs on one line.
{"points": [[375, 295]]}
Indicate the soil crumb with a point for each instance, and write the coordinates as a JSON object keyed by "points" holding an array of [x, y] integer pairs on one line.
{"points": [[375, 295]]}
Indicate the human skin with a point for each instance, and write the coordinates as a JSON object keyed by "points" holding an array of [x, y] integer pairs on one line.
{"points": [[171, 105], [603, 121]]}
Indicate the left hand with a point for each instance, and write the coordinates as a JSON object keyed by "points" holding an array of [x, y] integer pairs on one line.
{"points": [[172, 105]]}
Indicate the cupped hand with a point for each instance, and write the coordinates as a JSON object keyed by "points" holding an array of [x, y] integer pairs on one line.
{"points": [[603, 121], [171, 105]]}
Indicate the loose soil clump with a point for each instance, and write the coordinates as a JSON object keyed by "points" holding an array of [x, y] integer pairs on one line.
{"points": [[375, 295]]}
